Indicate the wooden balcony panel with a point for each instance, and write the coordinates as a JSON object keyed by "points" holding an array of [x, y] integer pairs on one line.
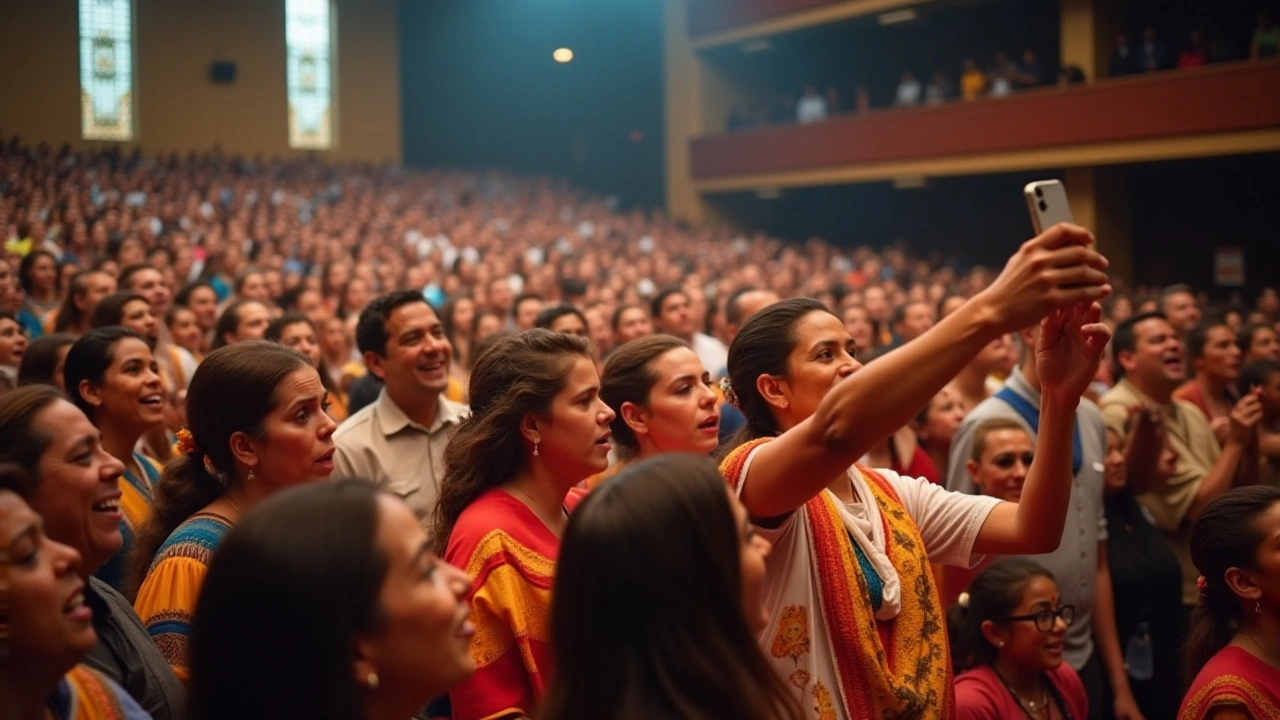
{"points": [[712, 16], [1183, 103]]}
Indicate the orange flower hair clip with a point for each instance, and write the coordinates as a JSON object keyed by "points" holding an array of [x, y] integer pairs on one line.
{"points": [[187, 442]]}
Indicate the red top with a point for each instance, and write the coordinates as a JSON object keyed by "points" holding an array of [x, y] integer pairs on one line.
{"points": [[980, 695], [1233, 680], [921, 465]]}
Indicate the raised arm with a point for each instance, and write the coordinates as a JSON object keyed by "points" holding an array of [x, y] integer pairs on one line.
{"points": [[1056, 269], [1071, 344]]}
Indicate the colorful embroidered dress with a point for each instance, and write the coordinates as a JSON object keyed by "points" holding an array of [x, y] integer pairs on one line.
{"points": [[1233, 684], [135, 503], [166, 601], [856, 625], [86, 694], [510, 556]]}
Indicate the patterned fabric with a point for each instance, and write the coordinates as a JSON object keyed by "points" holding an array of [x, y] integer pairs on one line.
{"points": [[135, 503], [88, 695], [510, 556], [166, 601], [1233, 681], [890, 669]]}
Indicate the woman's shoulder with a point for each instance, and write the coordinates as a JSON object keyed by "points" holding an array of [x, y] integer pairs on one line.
{"points": [[196, 538], [1233, 676], [497, 528]]}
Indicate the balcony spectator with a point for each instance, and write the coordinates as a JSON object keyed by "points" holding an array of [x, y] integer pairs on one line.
{"points": [[909, 91], [972, 81], [739, 119], [939, 89], [1266, 39], [861, 99], [1000, 75], [833, 100], [1193, 54], [1070, 75], [812, 107], [1124, 61], [1029, 74], [1154, 54]]}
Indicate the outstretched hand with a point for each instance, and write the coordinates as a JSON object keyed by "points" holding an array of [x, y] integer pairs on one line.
{"points": [[1072, 340], [1057, 268]]}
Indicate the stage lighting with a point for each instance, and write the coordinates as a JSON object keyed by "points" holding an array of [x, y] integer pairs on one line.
{"points": [[562, 55]]}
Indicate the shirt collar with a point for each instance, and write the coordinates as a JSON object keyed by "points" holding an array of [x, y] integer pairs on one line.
{"points": [[392, 420]]}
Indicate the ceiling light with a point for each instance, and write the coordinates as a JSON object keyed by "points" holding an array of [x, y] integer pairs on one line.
{"points": [[562, 55]]}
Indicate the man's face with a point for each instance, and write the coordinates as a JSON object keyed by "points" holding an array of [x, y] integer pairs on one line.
{"points": [[1182, 311], [918, 318], [417, 358], [527, 312], [1156, 360], [675, 316], [149, 284]]}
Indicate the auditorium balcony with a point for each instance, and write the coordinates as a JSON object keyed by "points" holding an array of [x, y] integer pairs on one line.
{"points": [[1216, 110]]}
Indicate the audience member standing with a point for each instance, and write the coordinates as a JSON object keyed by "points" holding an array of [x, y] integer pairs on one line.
{"points": [[1148, 362], [538, 428], [939, 89], [673, 315], [1193, 54], [1080, 562], [399, 441], [1124, 61], [1180, 308], [1215, 368], [1234, 648], [1154, 54], [909, 91], [973, 82], [1266, 38], [812, 107]]}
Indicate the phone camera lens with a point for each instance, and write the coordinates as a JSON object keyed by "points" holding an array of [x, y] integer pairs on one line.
{"points": [[1043, 206], [1039, 192]]}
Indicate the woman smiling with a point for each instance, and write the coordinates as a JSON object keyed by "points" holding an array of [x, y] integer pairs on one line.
{"points": [[112, 377]]}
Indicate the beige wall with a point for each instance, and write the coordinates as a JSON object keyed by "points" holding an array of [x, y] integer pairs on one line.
{"points": [[178, 108]]}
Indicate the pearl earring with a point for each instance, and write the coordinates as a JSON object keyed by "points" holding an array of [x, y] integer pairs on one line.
{"points": [[535, 447], [372, 681]]}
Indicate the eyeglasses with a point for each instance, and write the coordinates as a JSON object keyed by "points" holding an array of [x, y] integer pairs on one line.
{"points": [[1045, 619], [1005, 462]]}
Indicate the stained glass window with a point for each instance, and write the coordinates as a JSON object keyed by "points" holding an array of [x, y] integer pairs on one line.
{"points": [[106, 69], [309, 54]]}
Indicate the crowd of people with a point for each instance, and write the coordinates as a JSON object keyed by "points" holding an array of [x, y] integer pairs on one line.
{"points": [[1132, 53], [294, 440]]}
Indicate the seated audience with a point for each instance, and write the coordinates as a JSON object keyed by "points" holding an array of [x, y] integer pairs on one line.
{"points": [[44, 359]]}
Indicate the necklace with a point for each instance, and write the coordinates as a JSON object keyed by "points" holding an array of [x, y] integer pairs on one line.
{"points": [[233, 505], [1030, 708]]}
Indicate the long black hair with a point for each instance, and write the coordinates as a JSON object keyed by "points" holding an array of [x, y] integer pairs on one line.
{"points": [[659, 524], [310, 557]]}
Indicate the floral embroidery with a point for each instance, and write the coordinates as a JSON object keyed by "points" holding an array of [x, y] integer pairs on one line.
{"points": [[826, 707], [792, 639], [800, 678]]}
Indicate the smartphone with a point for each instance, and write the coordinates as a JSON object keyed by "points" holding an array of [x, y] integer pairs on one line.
{"points": [[1047, 203]]}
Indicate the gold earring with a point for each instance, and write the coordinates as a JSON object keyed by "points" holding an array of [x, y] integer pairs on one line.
{"points": [[250, 478], [372, 681], [535, 447]]}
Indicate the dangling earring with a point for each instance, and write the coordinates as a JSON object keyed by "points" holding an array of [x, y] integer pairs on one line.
{"points": [[535, 447], [372, 681], [250, 478], [1257, 607]]}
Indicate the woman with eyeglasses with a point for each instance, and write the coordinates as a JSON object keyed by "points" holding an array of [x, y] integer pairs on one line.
{"points": [[1007, 637]]}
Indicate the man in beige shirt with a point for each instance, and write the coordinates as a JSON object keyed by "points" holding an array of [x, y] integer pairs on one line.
{"points": [[398, 441], [1148, 358]]}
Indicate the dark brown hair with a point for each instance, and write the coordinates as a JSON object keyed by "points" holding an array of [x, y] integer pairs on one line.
{"points": [[993, 595], [659, 524], [21, 443], [233, 390], [763, 347], [229, 322], [985, 428], [1224, 535], [110, 309], [41, 358], [519, 374], [628, 377]]}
